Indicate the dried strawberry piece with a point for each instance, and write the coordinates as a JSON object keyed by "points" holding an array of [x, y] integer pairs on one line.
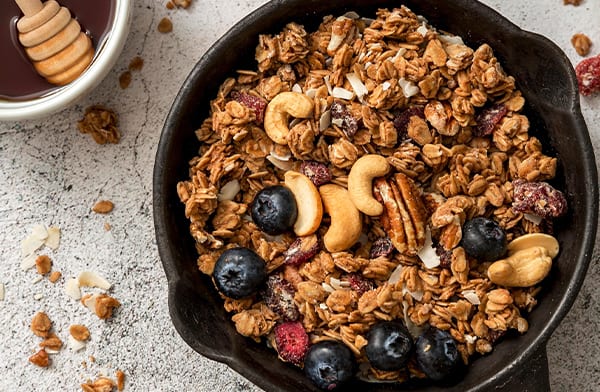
{"points": [[339, 111], [402, 119], [539, 198], [291, 341], [488, 118], [302, 250], [279, 297], [359, 283], [257, 104], [381, 247], [317, 172], [588, 75]]}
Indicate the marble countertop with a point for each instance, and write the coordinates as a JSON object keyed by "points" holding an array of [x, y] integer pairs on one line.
{"points": [[52, 174]]}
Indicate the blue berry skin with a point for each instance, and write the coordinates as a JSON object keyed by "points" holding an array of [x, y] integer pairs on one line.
{"points": [[239, 272], [274, 209], [389, 345], [329, 364], [437, 354], [483, 239]]}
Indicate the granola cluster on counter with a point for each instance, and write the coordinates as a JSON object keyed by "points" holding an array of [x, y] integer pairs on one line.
{"points": [[445, 119]]}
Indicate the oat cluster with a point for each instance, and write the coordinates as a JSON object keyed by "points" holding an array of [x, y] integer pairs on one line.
{"points": [[446, 117]]}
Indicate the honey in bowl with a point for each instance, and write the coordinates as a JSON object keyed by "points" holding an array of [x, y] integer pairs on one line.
{"points": [[18, 78]]}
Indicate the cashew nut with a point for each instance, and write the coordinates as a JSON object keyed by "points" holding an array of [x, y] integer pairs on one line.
{"points": [[308, 200], [346, 222], [534, 239], [277, 114], [524, 268], [360, 181]]}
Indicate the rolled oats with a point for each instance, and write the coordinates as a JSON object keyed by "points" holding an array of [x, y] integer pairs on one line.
{"points": [[446, 117]]}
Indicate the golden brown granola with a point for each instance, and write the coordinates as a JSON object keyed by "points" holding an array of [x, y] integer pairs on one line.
{"points": [[101, 124], [101, 384], [79, 332], [43, 264], [103, 206], [40, 358], [415, 96], [581, 43], [41, 324], [125, 79], [52, 342], [54, 276], [165, 25], [120, 376]]}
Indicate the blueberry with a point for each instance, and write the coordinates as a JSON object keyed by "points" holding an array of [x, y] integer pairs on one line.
{"points": [[437, 354], [239, 272], [389, 345], [274, 209], [483, 239], [329, 364]]}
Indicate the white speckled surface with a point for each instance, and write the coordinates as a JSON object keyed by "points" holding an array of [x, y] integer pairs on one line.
{"points": [[52, 174]]}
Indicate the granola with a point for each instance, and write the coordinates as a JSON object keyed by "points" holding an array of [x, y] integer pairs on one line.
{"points": [[446, 117]]}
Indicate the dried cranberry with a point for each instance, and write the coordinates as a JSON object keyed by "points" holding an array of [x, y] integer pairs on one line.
{"points": [[257, 104], [588, 75], [495, 335], [339, 111], [359, 283], [302, 250], [381, 247], [279, 297], [318, 172], [444, 254], [488, 118], [538, 198], [292, 342], [402, 119]]}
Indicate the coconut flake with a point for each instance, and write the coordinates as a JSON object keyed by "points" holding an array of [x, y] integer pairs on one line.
{"points": [[89, 301], [399, 53], [470, 339], [386, 85], [53, 239], [51, 351], [395, 275], [278, 163], [422, 29], [311, 93], [39, 232], [336, 39], [229, 190], [28, 262], [338, 284], [72, 288], [427, 253], [451, 39], [76, 345], [328, 85], [337, 121], [342, 93], [357, 85], [535, 219], [30, 244], [325, 120], [323, 306], [408, 88], [37, 279], [327, 287], [92, 279], [471, 296], [38, 296]]}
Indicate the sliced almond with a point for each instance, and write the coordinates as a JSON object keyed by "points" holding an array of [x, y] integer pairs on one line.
{"points": [[29, 245], [92, 279], [89, 301], [39, 232], [308, 201], [534, 239], [75, 345], [28, 262], [72, 288]]}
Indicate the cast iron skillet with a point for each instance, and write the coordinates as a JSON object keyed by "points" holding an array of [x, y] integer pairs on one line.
{"points": [[545, 77]]}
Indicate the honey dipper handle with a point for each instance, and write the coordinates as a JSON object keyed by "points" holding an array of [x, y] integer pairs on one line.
{"points": [[29, 7]]}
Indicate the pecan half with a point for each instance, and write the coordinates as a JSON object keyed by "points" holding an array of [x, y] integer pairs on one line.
{"points": [[404, 215]]}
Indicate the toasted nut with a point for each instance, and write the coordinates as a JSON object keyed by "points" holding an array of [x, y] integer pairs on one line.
{"points": [[524, 268], [278, 111], [41, 324], [79, 332], [308, 200], [360, 182], [534, 239], [40, 359], [346, 223]]}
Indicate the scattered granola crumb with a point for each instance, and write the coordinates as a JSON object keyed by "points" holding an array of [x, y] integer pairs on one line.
{"points": [[103, 207], [52, 342], [125, 80], [165, 25], [101, 304], [170, 5], [182, 3], [572, 2], [41, 324], [43, 264], [92, 358], [588, 75], [38, 296], [102, 384], [107, 226], [120, 376], [581, 43], [136, 64], [40, 358], [54, 276], [101, 124], [79, 332]]}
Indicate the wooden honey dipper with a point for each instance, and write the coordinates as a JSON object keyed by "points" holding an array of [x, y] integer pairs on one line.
{"points": [[53, 40]]}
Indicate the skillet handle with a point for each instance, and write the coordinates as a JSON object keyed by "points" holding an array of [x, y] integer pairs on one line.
{"points": [[532, 378]]}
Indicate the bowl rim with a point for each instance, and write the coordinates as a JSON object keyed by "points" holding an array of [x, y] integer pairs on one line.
{"points": [[538, 343], [91, 77]]}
